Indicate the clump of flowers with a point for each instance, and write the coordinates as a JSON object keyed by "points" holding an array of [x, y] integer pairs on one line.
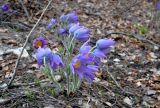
{"points": [[74, 68]]}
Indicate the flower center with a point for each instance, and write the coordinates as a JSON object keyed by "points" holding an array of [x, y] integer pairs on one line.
{"points": [[77, 64], [38, 44]]}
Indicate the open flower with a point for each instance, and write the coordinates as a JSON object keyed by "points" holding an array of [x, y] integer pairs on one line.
{"points": [[80, 66], [82, 34], [104, 43], [56, 61], [39, 42], [51, 24], [70, 17], [5, 7]]}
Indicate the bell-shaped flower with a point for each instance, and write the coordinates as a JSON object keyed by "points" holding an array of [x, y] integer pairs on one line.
{"points": [[56, 61], [82, 34], [51, 24], [39, 42], [104, 43], [62, 31], [74, 27], [43, 54], [85, 48], [5, 7], [70, 17]]}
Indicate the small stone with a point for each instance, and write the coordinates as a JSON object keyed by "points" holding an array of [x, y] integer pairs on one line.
{"points": [[152, 55], [17, 51], [58, 77], [156, 48], [3, 86], [138, 84], [151, 92], [122, 54], [127, 101], [96, 80], [116, 60], [108, 103]]}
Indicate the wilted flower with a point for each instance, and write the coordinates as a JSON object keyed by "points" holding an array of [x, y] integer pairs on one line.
{"points": [[39, 42], [158, 5], [5, 7], [70, 17], [51, 24], [80, 66], [56, 61], [62, 31], [104, 43], [82, 34], [41, 53]]}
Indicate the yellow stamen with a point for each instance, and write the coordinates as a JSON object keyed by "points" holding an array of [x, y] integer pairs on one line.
{"points": [[77, 64], [38, 44]]}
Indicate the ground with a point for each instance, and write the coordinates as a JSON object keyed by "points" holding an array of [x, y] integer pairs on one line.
{"points": [[131, 77]]}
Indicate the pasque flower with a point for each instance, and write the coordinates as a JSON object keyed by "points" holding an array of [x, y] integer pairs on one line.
{"points": [[39, 42], [104, 43], [82, 34], [74, 27], [158, 5], [52, 59], [56, 61], [5, 7], [81, 67], [51, 24], [70, 17], [62, 31], [41, 53]]}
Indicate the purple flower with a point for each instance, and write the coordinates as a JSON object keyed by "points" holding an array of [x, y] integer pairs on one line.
{"points": [[158, 5], [5, 7], [99, 53], [70, 17], [82, 34], [39, 42], [51, 24], [62, 31], [56, 61], [104, 43], [94, 58], [53, 60], [74, 27], [41, 53], [85, 48], [80, 66]]}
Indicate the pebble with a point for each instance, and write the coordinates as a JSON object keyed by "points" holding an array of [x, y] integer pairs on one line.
{"points": [[151, 92], [127, 101]]}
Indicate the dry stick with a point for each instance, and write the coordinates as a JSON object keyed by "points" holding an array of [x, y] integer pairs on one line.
{"points": [[17, 62], [118, 85], [135, 36], [24, 8]]}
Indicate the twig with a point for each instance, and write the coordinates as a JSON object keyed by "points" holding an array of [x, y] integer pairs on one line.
{"points": [[135, 36], [25, 10], [118, 85], [17, 62]]}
